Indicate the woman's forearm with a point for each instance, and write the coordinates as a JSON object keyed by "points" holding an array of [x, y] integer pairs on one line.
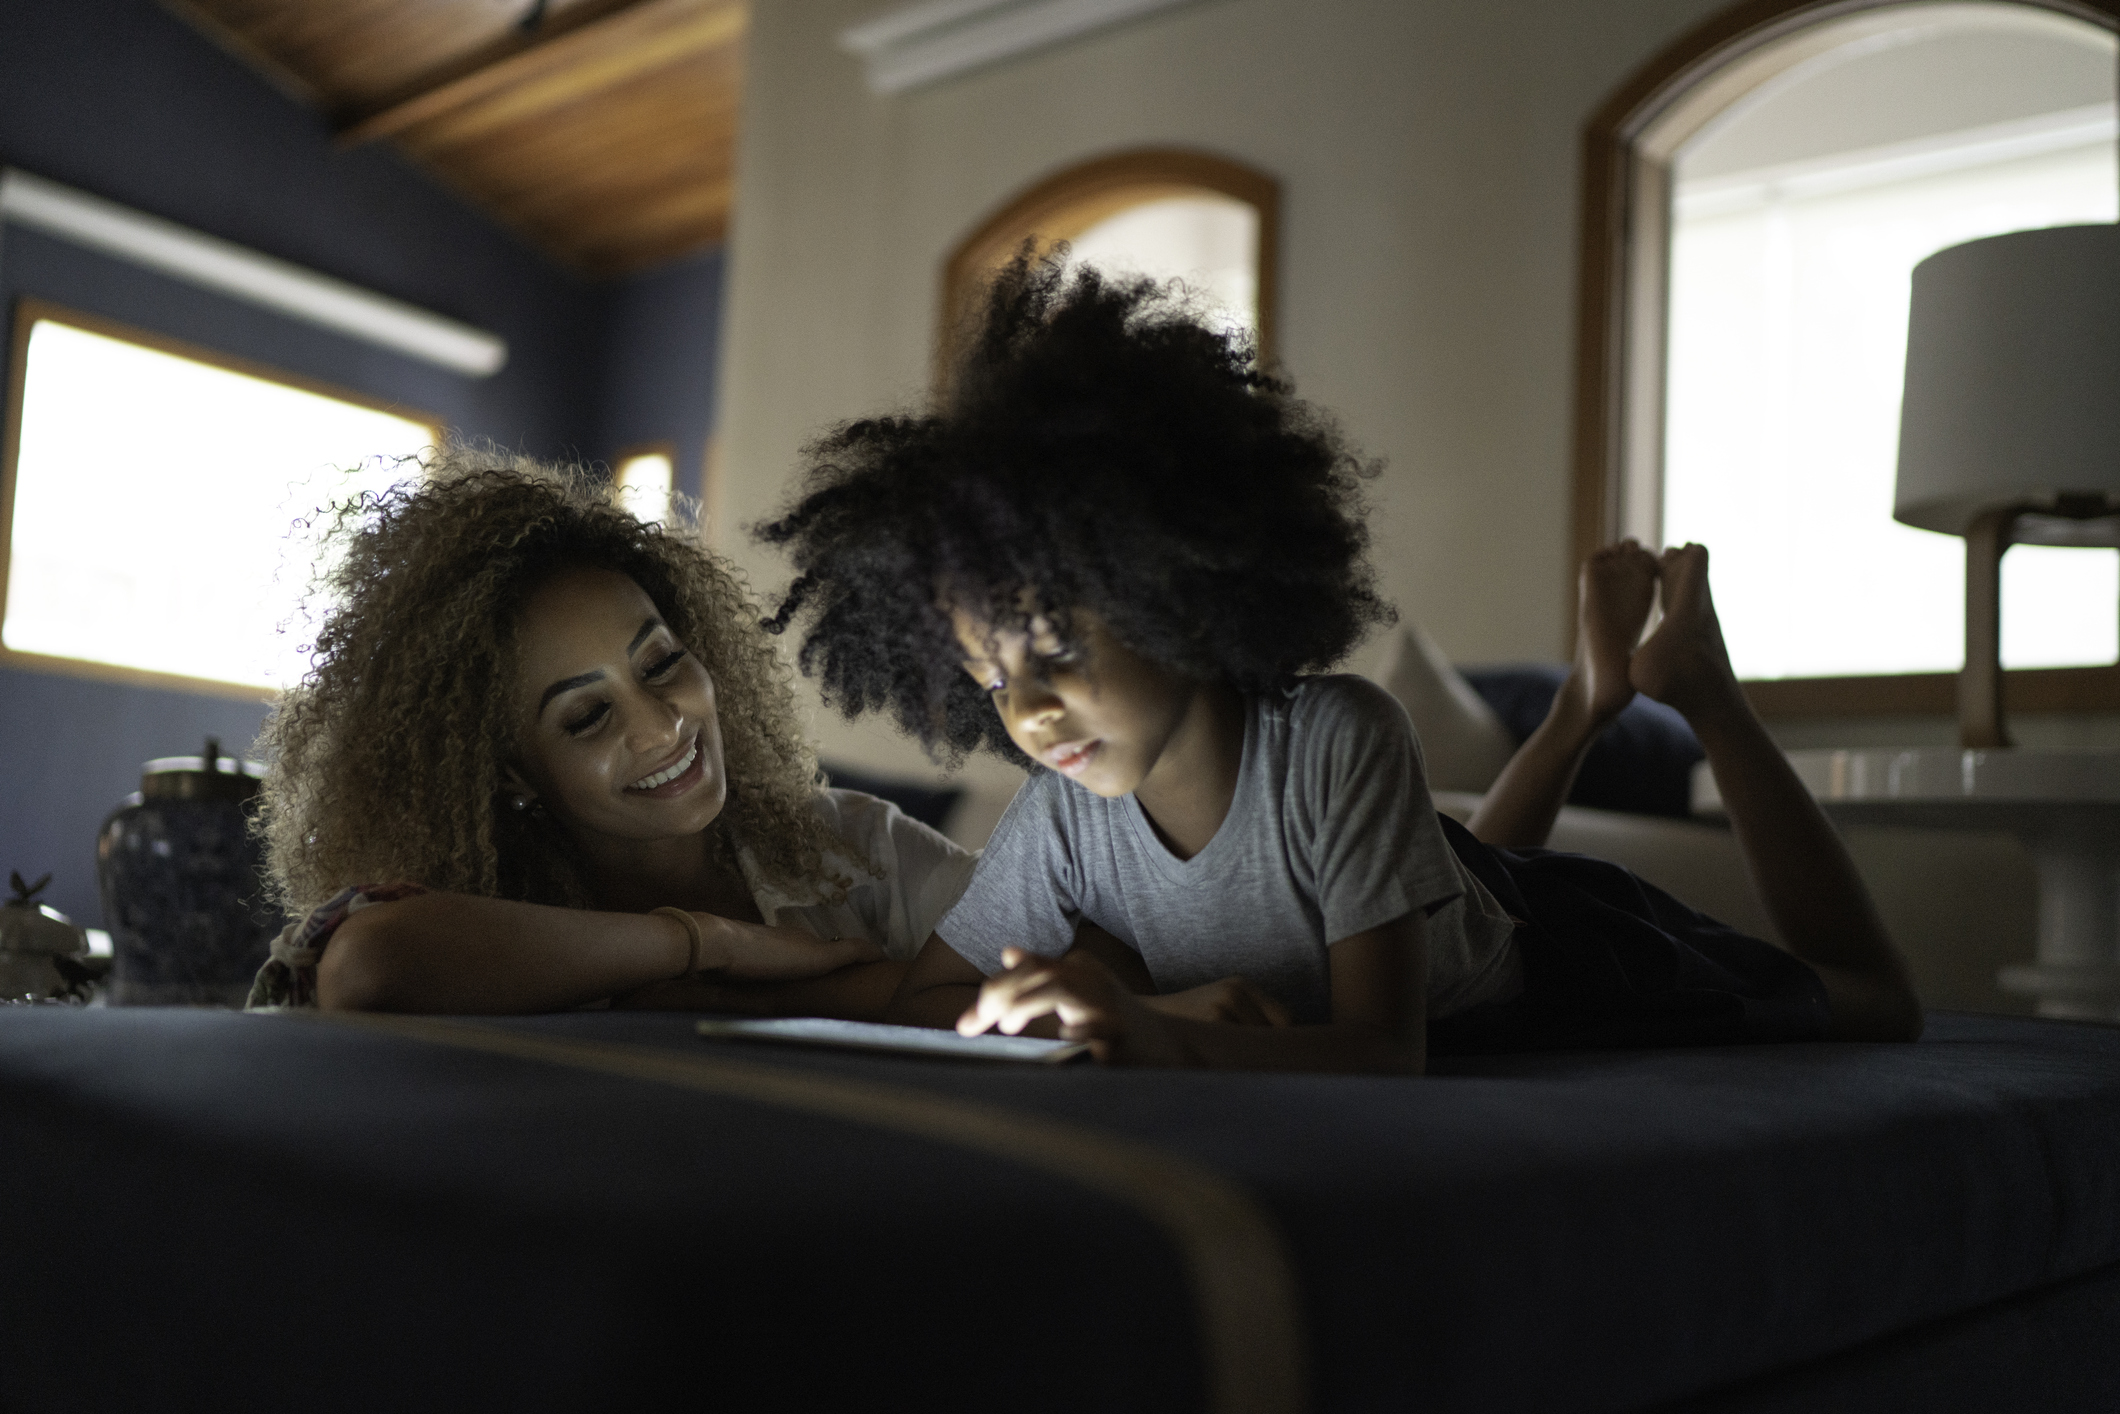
{"points": [[445, 952]]}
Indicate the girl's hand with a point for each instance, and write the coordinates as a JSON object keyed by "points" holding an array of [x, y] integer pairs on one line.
{"points": [[751, 952], [1237, 1001], [1091, 1004]]}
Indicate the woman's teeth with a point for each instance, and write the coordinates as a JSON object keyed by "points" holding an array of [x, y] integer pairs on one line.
{"points": [[663, 778]]}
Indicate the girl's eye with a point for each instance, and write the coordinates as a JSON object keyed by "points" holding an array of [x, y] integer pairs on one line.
{"points": [[662, 667], [587, 720]]}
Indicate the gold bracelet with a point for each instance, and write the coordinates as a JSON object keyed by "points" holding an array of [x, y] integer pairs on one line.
{"points": [[691, 932]]}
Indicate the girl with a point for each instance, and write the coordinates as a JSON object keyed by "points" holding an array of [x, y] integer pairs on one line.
{"points": [[546, 758], [1115, 555]]}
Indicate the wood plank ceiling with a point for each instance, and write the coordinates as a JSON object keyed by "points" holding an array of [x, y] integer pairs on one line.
{"points": [[603, 130]]}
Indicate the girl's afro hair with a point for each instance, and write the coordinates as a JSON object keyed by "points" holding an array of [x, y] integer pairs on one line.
{"points": [[1099, 448]]}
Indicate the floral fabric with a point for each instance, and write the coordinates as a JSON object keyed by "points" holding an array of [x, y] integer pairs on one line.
{"points": [[289, 976]]}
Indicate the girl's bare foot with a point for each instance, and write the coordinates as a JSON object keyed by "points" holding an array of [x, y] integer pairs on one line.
{"points": [[1684, 663], [1615, 591]]}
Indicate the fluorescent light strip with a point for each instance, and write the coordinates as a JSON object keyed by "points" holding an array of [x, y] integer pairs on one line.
{"points": [[231, 269], [922, 44]]}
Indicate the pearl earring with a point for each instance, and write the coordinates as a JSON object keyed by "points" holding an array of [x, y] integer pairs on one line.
{"points": [[521, 803]]}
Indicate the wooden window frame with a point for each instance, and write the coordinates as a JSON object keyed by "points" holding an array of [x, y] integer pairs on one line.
{"points": [[1622, 281], [1063, 205], [28, 311]]}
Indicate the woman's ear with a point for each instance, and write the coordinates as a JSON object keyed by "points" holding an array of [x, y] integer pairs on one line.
{"points": [[518, 792]]}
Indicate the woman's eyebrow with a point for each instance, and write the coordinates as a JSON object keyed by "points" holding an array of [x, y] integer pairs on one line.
{"points": [[569, 684], [596, 675]]}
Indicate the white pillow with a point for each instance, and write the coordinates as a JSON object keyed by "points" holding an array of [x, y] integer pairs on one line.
{"points": [[1463, 742]]}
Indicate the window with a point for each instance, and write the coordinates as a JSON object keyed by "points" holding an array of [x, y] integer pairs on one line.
{"points": [[1759, 199], [646, 478], [154, 503], [1201, 219]]}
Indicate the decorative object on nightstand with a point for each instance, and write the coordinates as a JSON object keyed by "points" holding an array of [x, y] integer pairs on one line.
{"points": [[2009, 434], [183, 884], [2009, 430], [43, 956]]}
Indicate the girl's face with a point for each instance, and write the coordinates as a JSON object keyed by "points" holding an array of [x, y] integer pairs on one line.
{"points": [[620, 740], [1093, 709]]}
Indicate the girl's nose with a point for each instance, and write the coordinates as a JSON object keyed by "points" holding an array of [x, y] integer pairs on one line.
{"points": [[1030, 705]]}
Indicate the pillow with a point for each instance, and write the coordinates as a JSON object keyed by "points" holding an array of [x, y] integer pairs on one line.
{"points": [[1463, 743], [1643, 764]]}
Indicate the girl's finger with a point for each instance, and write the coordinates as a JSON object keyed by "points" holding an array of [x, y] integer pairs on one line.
{"points": [[1077, 1013], [996, 995]]}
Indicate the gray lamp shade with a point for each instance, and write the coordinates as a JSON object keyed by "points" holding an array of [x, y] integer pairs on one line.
{"points": [[2013, 384]]}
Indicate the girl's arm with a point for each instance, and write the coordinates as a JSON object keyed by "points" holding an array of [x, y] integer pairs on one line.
{"points": [[444, 952], [1379, 1012], [1518, 810], [940, 986]]}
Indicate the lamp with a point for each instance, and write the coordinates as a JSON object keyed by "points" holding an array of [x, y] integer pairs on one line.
{"points": [[2009, 431]]}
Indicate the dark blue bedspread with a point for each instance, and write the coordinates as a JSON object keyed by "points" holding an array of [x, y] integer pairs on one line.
{"points": [[210, 1210]]}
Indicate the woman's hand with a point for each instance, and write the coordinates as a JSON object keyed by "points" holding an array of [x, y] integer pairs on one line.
{"points": [[1091, 1003], [1237, 1001], [752, 952]]}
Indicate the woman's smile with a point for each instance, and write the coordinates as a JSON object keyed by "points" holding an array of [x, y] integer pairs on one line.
{"points": [[674, 779], [621, 741]]}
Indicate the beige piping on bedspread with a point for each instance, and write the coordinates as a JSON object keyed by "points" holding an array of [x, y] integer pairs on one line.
{"points": [[1244, 1292]]}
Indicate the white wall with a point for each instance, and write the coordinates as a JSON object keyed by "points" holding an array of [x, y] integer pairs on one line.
{"points": [[1427, 151]]}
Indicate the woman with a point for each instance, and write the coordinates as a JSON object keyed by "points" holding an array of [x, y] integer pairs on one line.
{"points": [[545, 757]]}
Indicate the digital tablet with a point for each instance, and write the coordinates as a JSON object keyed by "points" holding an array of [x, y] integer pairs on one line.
{"points": [[904, 1040]]}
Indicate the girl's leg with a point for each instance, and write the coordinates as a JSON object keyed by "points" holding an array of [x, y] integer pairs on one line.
{"points": [[1796, 858], [1615, 591]]}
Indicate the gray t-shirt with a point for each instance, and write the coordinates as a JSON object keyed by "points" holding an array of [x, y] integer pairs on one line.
{"points": [[1331, 833]]}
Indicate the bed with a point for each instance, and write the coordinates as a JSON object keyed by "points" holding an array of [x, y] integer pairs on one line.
{"points": [[214, 1210]]}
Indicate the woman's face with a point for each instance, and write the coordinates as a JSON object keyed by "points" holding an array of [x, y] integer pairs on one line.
{"points": [[620, 739]]}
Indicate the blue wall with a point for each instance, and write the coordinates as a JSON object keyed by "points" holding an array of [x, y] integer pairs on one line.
{"points": [[120, 99], [661, 334]]}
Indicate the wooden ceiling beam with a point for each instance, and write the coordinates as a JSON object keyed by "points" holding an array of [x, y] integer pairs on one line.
{"points": [[609, 49], [233, 42]]}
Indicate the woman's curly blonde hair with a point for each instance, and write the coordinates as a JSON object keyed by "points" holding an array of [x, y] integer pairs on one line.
{"points": [[387, 759]]}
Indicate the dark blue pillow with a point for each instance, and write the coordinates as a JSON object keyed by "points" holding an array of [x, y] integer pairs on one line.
{"points": [[1643, 764], [930, 805]]}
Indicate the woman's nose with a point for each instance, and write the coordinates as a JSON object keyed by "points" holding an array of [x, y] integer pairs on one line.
{"points": [[653, 723]]}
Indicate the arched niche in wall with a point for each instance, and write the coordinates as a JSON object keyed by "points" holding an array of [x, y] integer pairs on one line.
{"points": [[1157, 211], [1676, 124]]}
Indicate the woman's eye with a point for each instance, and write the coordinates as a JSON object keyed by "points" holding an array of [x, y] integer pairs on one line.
{"points": [[662, 667], [587, 720]]}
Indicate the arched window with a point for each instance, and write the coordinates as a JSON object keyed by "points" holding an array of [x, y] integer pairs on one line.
{"points": [[1207, 220], [1754, 200]]}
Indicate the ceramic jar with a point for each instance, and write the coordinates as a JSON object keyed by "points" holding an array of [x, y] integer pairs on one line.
{"points": [[183, 884], [32, 938]]}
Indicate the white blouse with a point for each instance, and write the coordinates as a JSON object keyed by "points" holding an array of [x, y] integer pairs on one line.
{"points": [[923, 872]]}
